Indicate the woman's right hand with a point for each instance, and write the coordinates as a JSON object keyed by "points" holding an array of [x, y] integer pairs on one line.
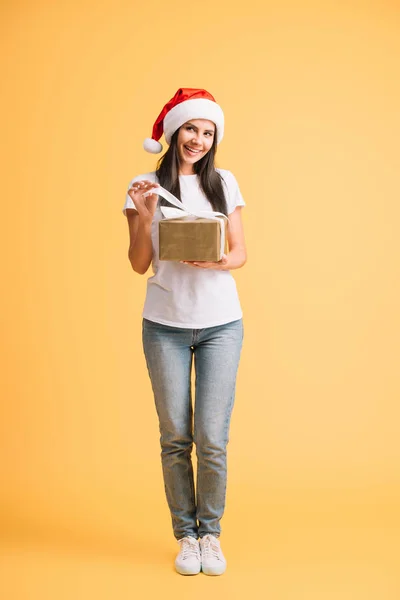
{"points": [[145, 205]]}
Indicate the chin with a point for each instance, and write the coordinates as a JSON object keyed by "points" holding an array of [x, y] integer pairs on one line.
{"points": [[191, 159]]}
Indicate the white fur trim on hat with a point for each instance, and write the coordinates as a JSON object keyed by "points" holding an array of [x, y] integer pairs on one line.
{"points": [[198, 108], [152, 146]]}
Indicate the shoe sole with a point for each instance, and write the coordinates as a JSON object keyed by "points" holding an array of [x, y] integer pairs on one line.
{"points": [[187, 572], [211, 572]]}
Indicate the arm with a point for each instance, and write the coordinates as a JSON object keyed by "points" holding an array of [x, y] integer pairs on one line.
{"points": [[139, 221], [140, 246], [237, 255]]}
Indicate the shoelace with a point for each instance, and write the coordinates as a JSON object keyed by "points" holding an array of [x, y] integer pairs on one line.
{"points": [[189, 548], [211, 547]]}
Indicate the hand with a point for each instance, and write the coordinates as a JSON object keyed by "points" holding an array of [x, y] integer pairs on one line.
{"points": [[145, 204], [220, 265]]}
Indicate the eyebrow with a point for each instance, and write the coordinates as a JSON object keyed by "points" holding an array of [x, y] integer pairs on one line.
{"points": [[193, 125]]}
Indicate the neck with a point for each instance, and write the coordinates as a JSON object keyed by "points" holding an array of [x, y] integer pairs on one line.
{"points": [[186, 170]]}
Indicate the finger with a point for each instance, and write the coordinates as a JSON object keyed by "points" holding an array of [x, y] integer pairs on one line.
{"points": [[188, 263], [135, 193], [143, 185], [149, 194], [201, 265], [208, 265], [147, 183], [137, 185]]}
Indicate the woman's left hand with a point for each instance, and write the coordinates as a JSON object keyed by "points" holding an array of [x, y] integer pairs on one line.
{"points": [[220, 265]]}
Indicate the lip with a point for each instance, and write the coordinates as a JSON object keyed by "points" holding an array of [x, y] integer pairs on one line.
{"points": [[195, 153]]}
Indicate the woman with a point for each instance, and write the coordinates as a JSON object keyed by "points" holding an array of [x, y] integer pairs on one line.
{"points": [[191, 310]]}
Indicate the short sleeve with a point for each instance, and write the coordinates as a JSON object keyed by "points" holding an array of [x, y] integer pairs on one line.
{"points": [[128, 200], [234, 196]]}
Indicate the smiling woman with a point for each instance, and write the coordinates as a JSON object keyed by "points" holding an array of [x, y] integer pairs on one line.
{"points": [[191, 311]]}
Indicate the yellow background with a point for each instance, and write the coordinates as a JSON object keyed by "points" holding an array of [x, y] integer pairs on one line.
{"points": [[311, 97]]}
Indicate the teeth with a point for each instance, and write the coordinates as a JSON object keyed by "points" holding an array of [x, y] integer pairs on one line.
{"points": [[192, 150]]}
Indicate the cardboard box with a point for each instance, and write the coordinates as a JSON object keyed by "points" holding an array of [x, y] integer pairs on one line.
{"points": [[191, 238]]}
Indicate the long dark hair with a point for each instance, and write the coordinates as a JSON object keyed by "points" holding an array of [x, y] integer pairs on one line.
{"points": [[210, 180]]}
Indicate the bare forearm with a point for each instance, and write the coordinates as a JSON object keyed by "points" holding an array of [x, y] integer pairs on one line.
{"points": [[236, 259], [140, 254]]}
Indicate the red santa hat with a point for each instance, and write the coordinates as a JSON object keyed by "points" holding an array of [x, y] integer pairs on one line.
{"points": [[188, 103]]}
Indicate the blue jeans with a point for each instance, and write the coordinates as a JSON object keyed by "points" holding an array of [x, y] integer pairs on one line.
{"points": [[169, 353]]}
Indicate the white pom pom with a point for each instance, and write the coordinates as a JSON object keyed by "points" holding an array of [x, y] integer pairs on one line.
{"points": [[152, 146]]}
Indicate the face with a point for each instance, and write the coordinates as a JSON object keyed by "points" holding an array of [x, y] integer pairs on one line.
{"points": [[195, 139]]}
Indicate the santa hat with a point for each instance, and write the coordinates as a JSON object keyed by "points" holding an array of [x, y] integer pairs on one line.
{"points": [[187, 104]]}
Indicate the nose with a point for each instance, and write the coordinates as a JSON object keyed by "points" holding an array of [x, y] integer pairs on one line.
{"points": [[196, 139]]}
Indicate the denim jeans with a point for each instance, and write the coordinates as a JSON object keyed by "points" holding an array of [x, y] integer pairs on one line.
{"points": [[169, 355]]}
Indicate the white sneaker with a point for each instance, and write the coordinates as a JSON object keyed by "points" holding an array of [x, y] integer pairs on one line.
{"points": [[212, 560], [188, 561]]}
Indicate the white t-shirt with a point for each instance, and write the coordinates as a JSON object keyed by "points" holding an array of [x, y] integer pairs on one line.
{"points": [[180, 295]]}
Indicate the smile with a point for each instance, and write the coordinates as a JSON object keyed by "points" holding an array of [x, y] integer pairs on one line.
{"points": [[191, 150]]}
